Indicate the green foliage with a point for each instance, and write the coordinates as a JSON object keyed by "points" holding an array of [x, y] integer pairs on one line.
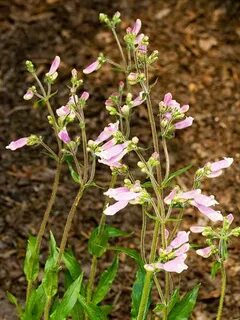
{"points": [[50, 278], [137, 293], [13, 300], [105, 282], [98, 242], [131, 253], [182, 309], [68, 301], [74, 174], [175, 174], [31, 262], [94, 312], [215, 268], [35, 305]]}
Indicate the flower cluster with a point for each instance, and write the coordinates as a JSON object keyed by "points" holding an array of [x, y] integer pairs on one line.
{"points": [[195, 198], [171, 112], [172, 259], [130, 193], [114, 148]]}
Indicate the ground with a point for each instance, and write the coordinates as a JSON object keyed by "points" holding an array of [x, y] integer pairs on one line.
{"points": [[199, 48]]}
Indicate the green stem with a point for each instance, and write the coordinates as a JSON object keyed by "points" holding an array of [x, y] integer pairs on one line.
{"points": [[69, 224], [145, 294], [91, 279], [223, 290], [120, 48], [46, 218], [47, 308]]}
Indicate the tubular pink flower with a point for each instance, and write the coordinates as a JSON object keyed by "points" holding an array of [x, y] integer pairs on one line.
{"points": [[139, 38], [184, 123], [204, 252], [63, 111], [181, 238], [167, 98], [184, 108], [54, 66], [216, 167], [113, 151], [209, 212], [63, 135], [137, 26], [114, 208], [138, 100], [28, 95], [14, 145], [92, 67], [107, 132], [230, 218], [183, 249], [168, 199], [84, 96], [197, 229], [176, 265], [121, 194]]}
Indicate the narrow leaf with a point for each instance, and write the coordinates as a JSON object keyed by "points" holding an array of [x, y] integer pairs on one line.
{"points": [[72, 264], [13, 300], [68, 301], [94, 312], [36, 303], [215, 268], [31, 262], [131, 253], [73, 173], [115, 232], [105, 282], [183, 309], [98, 243], [174, 175]]}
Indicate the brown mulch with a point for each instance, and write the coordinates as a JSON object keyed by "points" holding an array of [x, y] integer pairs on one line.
{"points": [[199, 63]]}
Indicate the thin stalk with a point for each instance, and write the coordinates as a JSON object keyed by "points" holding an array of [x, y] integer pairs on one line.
{"points": [[46, 218], [223, 291], [143, 235], [120, 48], [145, 295], [91, 279], [164, 143], [47, 308], [54, 155], [69, 224]]}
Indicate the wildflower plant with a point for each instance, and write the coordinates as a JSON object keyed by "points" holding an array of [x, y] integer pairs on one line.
{"points": [[154, 193]]}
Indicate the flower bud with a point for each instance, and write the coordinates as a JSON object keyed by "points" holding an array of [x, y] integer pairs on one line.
{"points": [[29, 66], [135, 140], [125, 110]]}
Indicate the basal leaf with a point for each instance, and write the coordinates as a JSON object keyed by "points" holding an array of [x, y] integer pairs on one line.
{"points": [[94, 312], [105, 282]]}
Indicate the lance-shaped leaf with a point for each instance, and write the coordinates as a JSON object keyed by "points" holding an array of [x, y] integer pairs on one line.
{"points": [[98, 242], [131, 253], [105, 282], [12, 299], [68, 301], [94, 312], [175, 174], [72, 264], [115, 232], [183, 309], [137, 294], [35, 305], [31, 262]]}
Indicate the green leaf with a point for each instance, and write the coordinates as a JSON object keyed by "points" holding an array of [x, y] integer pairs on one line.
{"points": [[175, 298], [31, 262], [36, 303], [147, 184], [137, 293], [72, 264], [131, 253], [13, 300], [94, 312], [50, 277], [105, 282], [175, 174], [115, 232], [73, 173], [98, 243], [68, 301], [183, 309], [215, 268]]}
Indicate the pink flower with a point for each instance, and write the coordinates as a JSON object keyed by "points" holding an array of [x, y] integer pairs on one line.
{"points": [[216, 167], [84, 96], [28, 95], [107, 132], [197, 229], [204, 252], [63, 135], [123, 195], [194, 197], [138, 100], [136, 27], [63, 111], [184, 123], [175, 254], [14, 145], [54, 66], [92, 67], [230, 218]]}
